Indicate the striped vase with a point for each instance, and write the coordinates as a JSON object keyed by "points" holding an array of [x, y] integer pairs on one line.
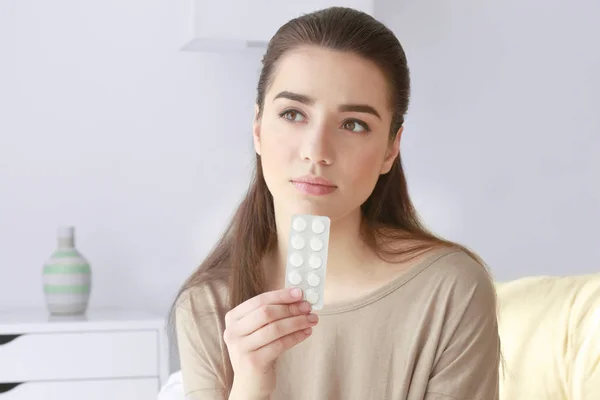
{"points": [[67, 277]]}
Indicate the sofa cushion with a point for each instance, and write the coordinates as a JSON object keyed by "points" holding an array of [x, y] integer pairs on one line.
{"points": [[550, 332]]}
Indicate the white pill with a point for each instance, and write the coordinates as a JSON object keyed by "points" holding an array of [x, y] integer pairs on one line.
{"points": [[299, 224], [294, 277], [296, 259], [298, 242], [315, 261], [313, 279], [318, 226], [312, 296], [316, 244]]}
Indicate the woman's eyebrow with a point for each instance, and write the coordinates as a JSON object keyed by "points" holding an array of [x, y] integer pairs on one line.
{"points": [[295, 97], [301, 98], [362, 108]]}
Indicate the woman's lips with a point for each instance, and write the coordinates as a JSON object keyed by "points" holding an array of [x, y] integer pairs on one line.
{"points": [[312, 188]]}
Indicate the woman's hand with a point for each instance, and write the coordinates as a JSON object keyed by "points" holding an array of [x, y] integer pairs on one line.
{"points": [[257, 332]]}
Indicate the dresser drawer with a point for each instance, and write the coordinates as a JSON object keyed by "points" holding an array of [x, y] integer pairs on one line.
{"points": [[87, 355], [117, 389]]}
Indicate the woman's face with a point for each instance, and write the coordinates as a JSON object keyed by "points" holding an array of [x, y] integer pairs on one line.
{"points": [[326, 117]]}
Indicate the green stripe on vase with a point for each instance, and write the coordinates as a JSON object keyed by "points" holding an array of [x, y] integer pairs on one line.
{"points": [[65, 254], [66, 288], [67, 269]]}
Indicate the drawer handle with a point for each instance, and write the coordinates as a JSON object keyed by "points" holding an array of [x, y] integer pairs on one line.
{"points": [[7, 338], [7, 387]]}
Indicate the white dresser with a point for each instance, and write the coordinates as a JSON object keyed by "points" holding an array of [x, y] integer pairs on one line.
{"points": [[112, 355]]}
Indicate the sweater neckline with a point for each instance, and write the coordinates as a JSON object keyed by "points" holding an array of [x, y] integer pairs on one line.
{"points": [[387, 288]]}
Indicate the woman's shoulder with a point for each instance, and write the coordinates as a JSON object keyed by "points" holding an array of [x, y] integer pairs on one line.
{"points": [[459, 263], [199, 326], [446, 261], [208, 297], [460, 273]]}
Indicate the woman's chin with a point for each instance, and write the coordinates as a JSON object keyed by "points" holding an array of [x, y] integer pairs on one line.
{"points": [[313, 207]]}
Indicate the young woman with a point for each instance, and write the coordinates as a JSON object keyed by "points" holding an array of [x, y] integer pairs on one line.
{"points": [[407, 315]]}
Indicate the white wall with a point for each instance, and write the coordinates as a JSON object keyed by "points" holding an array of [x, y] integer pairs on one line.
{"points": [[105, 125], [502, 140]]}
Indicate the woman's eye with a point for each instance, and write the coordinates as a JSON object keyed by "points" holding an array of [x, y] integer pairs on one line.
{"points": [[292, 116], [355, 126]]}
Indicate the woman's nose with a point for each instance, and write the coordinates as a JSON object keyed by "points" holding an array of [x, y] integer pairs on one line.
{"points": [[317, 147]]}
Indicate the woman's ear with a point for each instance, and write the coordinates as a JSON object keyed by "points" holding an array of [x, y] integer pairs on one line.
{"points": [[391, 153], [256, 130]]}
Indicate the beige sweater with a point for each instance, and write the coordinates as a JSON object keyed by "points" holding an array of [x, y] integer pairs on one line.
{"points": [[430, 334]]}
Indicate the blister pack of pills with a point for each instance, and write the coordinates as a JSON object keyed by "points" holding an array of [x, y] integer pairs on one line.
{"points": [[306, 264]]}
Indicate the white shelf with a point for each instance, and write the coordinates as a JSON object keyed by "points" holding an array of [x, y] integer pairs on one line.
{"points": [[39, 321], [106, 354], [222, 45], [240, 25]]}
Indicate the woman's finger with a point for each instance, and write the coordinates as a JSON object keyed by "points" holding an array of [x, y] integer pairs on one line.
{"points": [[281, 296]]}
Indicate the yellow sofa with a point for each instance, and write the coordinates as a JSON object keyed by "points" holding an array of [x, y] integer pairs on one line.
{"points": [[550, 332]]}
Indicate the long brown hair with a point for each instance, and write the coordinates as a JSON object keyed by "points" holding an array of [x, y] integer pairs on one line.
{"points": [[390, 224]]}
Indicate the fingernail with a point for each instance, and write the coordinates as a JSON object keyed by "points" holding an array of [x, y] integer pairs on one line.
{"points": [[296, 292], [304, 307], [312, 318]]}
